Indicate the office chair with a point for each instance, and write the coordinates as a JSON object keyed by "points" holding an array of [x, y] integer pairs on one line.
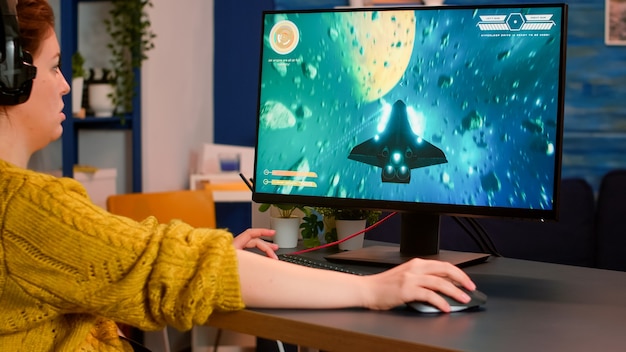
{"points": [[195, 207], [610, 221], [567, 241]]}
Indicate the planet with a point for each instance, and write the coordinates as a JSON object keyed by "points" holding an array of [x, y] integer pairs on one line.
{"points": [[376, 59]]}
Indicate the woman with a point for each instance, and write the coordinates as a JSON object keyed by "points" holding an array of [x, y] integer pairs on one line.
{"points": [[69, 269]]}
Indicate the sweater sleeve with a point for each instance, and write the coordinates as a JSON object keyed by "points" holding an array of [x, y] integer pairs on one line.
{"points": [[72, 257]]}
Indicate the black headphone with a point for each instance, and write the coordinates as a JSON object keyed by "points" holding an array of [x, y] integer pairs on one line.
{"points": [[16, 66]]}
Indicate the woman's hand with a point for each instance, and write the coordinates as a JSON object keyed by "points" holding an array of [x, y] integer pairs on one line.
{"points": [[251, 238], [417, 280]]}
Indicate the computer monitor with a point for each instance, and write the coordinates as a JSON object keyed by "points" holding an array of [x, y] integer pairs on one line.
{"points": [[423, 110]]}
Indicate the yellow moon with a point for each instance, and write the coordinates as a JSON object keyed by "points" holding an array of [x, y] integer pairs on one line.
{"points": [[376, 58]]}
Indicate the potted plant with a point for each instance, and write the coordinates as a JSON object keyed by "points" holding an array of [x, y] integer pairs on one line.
{"points": [[284, 210], [100, 87], [311, 227], [78, 84], [343, 222], [131, 38], [284, 223]]}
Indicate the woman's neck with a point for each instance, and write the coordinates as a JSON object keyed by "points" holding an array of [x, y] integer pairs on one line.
{"points": [[15, 160], [13, 150]]}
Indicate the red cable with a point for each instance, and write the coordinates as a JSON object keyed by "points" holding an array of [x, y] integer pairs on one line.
{"points": [[347, 238]]}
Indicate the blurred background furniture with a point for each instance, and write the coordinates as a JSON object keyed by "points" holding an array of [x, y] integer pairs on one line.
{"points": [[570, 240], [611, 222], [196, 207]]}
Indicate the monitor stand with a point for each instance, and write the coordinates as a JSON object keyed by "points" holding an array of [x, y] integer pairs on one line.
{"points": [[419, 239]]}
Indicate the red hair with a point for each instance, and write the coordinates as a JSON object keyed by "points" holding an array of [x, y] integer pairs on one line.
{"points": [[36, 20]]}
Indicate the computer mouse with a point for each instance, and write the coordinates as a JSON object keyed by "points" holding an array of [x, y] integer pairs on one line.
{"points": [[477, 299]]}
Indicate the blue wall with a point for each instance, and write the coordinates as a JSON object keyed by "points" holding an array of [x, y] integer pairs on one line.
{"points": [[595, 108], [237, 45], [237, 48]]}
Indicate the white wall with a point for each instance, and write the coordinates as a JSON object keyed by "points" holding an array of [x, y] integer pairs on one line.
{"points": [[177, 95]]}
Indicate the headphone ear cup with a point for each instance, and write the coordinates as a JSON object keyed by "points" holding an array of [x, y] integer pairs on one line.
{"points": [[16, 79], [16, 65]]}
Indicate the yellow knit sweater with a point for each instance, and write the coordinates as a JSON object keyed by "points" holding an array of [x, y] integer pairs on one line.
{"points": [[68, 269]]}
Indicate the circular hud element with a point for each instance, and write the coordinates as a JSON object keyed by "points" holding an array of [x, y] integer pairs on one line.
{"points": [[284, 37]]}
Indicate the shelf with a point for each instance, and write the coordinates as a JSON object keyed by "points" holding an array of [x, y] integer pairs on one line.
{"points": [[226, 187], [110, 123], [71, 126]]}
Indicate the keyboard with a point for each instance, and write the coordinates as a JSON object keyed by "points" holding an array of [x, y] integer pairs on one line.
{"points": [[317, 264]]}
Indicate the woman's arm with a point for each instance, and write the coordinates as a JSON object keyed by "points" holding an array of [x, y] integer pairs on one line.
{"points": [[269, 283]]}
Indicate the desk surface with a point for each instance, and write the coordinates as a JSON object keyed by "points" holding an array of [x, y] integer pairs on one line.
{"points": [[532, 306]]}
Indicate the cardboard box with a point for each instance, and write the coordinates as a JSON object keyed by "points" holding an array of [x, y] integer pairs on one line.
{"points": [[99, 184]]}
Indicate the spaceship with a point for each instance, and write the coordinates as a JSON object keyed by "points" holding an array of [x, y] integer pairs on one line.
{"points": [[397, 150]]}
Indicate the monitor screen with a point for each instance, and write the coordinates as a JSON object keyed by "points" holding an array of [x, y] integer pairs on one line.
{"points": [[422, 110]]}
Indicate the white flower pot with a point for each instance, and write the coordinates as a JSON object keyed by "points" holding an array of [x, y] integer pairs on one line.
{"points": [[287, 231], [100, 99], [346, 228]]}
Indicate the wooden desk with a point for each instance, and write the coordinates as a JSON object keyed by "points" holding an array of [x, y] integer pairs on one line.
{"points": [[532, 306]]}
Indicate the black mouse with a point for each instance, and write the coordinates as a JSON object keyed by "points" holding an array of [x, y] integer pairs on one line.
{"points": [[477, 299]]}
